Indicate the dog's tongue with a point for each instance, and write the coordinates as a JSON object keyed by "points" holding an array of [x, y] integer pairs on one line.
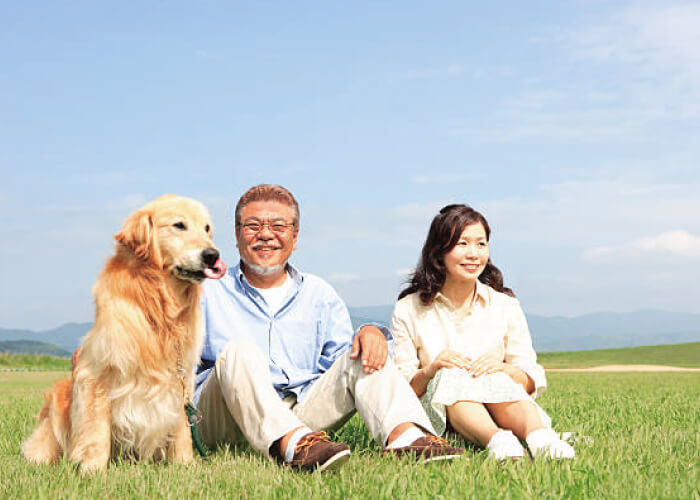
{"points": [[217, 270]]}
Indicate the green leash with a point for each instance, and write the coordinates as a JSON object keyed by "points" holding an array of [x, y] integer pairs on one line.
{"points": [[193, 418], [192, 413]]}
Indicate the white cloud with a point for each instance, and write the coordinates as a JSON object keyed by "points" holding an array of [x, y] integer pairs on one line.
{"points": [[453, 69], [657, 48], [493, 72], [207, 54], [581, 214], [110, 178], [326, 225], [412, 211], [446, 178], [588, 214], [578, 238], [568, 126], [621, 78], [654, 39], [675, 243], [342, 277], [123, 205]]}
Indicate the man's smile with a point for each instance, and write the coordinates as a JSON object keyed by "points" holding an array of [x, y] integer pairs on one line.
{"points": [[266, 249]]}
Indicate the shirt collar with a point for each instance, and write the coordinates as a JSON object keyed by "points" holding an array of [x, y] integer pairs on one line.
{"points": [[294, 273], [482, 295], [482, 292]]}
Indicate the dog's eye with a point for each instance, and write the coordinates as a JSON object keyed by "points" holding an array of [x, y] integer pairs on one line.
{"points": [[180, 225], [207, 228]]}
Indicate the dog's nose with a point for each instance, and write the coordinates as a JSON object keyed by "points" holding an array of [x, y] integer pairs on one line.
{"points": [[210, 256]]}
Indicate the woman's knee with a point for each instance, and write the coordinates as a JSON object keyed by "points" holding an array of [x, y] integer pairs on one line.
{"points": [[465, 413], [466, 406], [519, 416]]}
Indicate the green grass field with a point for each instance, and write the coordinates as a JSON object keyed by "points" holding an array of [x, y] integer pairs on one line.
{"points": [[682, 355], [644, 427], [33, 362]]}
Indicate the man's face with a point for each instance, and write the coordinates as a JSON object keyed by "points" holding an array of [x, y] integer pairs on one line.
{"points": [[266, 250]]}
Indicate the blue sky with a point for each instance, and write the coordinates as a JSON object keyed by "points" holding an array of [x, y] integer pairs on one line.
{"points": [[573, 126]]}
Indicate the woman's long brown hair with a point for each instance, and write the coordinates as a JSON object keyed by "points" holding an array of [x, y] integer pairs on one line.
{"points": [[445, 231]]}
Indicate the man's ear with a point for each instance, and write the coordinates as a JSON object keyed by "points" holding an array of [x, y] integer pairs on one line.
{"points": [[139, 235], [294, 238]]}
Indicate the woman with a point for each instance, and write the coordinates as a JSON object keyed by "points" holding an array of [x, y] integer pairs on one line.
{"points": [[461, 339]]}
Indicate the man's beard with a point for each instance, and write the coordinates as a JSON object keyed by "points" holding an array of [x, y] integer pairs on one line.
{"points": [[263, 270]]}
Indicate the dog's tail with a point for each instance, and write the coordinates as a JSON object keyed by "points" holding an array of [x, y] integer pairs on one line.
{"points": [[50, 438]]}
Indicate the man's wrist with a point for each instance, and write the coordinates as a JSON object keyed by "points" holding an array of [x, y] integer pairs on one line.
{"points": [[370, 329]]}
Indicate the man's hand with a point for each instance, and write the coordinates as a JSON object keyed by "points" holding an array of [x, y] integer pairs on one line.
{"points": [[370, 342]]}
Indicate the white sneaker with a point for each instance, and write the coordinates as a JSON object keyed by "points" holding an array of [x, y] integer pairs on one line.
{"points": [[504, 445], [545, 443]]}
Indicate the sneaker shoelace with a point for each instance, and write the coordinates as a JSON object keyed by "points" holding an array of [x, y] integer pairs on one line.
{"points": [[309, 440], [437, 441]]}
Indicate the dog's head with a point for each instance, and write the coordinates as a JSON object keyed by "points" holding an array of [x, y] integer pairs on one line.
{"points": [[174, 233]]}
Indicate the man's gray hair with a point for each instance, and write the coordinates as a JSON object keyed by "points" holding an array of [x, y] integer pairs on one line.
{"points": [[267, 192]]}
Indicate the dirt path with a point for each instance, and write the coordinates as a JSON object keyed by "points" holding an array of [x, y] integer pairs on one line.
{"points": [[626, 368]]}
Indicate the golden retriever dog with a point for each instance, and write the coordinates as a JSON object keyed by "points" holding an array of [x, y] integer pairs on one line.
{"points": [[134, 373]]}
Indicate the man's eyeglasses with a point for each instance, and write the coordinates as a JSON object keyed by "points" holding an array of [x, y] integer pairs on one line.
{"points": [[254, 226]]}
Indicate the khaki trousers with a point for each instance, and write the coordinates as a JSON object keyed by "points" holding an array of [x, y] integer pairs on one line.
{"points": [[238, 401]]}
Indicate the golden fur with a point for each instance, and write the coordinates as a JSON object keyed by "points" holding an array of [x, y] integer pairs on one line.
{"points": [[124, 395]]}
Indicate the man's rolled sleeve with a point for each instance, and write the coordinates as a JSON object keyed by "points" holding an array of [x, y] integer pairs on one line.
{"points": [[338, 335], [385, 331]]}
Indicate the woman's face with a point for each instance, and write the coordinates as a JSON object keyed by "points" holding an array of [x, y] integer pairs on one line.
{"points": [[467, 260]]}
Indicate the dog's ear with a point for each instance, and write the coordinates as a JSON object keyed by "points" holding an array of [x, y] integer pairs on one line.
{"points": [[139, 235]]}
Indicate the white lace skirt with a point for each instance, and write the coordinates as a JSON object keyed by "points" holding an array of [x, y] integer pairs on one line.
{"points": [[453, 384]]}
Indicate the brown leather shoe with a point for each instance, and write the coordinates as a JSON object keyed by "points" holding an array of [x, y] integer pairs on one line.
{"points": [[429, 448], [315, 451]]}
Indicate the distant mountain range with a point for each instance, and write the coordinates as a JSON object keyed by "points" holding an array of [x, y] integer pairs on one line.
{"points": [[32, 347], [66, 336], [590, 331], [601, 330]]}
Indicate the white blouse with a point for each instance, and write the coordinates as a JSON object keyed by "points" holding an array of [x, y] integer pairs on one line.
{"points": [[495, 325]]}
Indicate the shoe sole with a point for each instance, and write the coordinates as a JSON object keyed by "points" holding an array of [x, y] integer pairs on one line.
{"points": [[510, 458], [441, 458], [335, 462], [544, 457]]}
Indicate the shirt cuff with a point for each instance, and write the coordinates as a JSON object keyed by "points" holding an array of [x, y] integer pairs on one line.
{"points": [[408, 372], [199, 380], [385, 331], [536, 373]]}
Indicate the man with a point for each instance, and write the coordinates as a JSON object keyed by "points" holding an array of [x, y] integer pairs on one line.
{"points": [[280, 362]]}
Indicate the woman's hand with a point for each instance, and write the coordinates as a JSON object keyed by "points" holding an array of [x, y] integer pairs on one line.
{"points": [[447, 359], [486, 364]]}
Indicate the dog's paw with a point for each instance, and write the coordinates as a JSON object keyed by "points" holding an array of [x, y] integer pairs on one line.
{"points": [[92, 468], [181, 454], [90, 464]]}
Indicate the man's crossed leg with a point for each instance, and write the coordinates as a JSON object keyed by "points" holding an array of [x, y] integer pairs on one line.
{"points": [[239, 402]]}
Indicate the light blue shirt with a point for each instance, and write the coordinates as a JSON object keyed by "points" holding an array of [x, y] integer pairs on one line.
{"points": [[301, 339]]}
